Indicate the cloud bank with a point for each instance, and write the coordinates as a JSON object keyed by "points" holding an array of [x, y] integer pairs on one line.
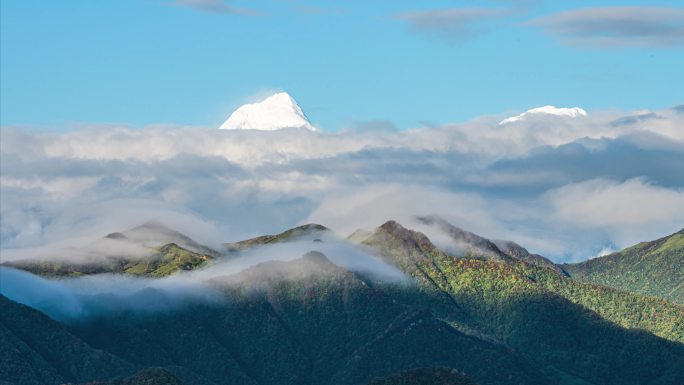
{"points": [[561, 186]]}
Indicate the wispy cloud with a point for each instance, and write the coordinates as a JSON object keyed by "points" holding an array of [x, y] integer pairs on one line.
{"points": [[320, 11], [635, 119], [617, 26], [71, 299], [453, 24], [216, 6]]}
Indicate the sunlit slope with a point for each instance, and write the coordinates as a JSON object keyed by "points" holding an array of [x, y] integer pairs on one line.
{"points": [[311, 230], [569, 328], [653, 268], [471, 245], [166, 260]]}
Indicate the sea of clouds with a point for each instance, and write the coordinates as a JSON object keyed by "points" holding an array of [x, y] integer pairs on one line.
{"points": [[564, 187]]}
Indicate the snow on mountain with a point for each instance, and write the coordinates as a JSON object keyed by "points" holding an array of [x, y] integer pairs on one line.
{"points": [[573, 112], [273, 113]]}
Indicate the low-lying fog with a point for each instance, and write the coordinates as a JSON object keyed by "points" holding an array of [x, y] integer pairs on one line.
{"points": [[71, 299]]}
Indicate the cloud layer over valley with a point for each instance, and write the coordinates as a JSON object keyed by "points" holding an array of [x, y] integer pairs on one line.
{"points": [[69, 299], [562, 186]]}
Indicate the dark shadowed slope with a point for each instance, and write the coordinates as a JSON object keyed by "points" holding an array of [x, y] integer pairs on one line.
{"points": [[653, 268], [426, 376], [34, 349], [152, 376]]}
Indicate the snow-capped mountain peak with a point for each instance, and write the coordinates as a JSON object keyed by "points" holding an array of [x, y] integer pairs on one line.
{"points": [[573, 112], [277, 111]]}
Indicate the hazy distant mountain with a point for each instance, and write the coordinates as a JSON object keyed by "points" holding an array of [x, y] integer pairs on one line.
{"points": [[310, 231], [154, 233], [151, 250], [653, 268]]}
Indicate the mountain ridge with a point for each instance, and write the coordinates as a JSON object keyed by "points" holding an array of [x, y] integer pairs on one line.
{"points": [[652, 268], [310, 321]]}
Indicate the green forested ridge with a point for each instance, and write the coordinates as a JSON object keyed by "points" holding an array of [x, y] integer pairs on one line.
{"points": [[168, 259], [293, 234], [540, 312], [516, 251], [175, 252], [323, 325], [415, 254], [653, 268], [474, 246], [309, 321]]}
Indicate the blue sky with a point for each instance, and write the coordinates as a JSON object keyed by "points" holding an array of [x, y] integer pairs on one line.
{"points": [[110, 112], [192, 62]]}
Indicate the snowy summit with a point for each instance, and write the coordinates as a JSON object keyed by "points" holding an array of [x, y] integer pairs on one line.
{"points": [[573, 112], [273, 113]]}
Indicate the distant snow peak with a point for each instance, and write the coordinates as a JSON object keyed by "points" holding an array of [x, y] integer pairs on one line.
{"points": [[273, 113], [573, 112]]}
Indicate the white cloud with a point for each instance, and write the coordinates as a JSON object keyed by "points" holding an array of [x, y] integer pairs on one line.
{"points": [[58, 187], [633, 210], [606, 250], [351, 209], [600, 202], [504, 181]]}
